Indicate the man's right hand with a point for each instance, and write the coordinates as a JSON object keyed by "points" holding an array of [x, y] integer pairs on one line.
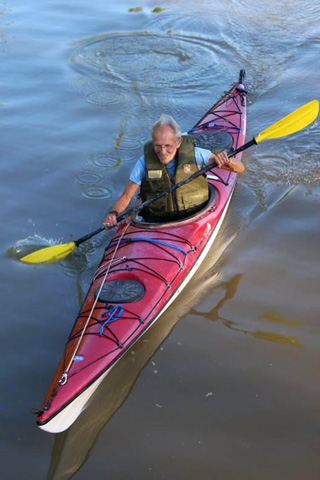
{"points": [[110, 221]]}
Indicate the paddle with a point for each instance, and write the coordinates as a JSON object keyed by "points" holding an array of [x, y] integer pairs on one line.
{"points": [[295, 121]]}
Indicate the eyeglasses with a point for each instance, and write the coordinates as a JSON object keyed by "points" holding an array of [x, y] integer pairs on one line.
{"points": [[169, 147]]}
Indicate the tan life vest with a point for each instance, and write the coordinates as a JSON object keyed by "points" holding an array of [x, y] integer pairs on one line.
{"points": [[183, 201]]}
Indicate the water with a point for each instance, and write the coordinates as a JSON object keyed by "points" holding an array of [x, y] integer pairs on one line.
{"points": [[232, 392]]}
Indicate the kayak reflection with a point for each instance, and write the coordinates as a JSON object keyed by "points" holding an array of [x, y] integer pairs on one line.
{"points": [[230, 288]]}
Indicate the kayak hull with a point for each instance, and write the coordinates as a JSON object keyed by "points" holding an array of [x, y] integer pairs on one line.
{"points": [[144, 268]]}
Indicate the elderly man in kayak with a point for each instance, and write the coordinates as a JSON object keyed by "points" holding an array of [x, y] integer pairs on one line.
{"points": [[169, 158]]}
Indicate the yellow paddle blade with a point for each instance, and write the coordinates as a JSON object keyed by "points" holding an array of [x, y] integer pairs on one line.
{"points": [[49, 254], [292, 123]]}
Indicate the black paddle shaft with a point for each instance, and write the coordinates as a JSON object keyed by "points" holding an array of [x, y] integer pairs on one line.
{"points": [[134, 210]]}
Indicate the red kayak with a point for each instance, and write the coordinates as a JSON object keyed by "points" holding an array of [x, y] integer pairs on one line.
{"points": [[144, 268]]}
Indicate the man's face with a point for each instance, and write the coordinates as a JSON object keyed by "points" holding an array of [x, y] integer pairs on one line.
{"points": [[165, 144]]}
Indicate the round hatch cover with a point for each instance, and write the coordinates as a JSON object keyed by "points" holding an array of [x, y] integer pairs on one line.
{"points": [[214, 141], [121, 291]]}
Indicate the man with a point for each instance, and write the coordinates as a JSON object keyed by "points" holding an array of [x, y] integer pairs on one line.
{"points": [[169, 158]]}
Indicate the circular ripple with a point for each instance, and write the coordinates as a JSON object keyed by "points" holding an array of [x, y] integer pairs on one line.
{"points": [[105, 98], [128, 143], [149, 60], [106, 161], [89, 177], [97, 193]]}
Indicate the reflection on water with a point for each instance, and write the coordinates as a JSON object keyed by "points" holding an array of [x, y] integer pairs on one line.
{"points": [[274, 318], [230, 287], [276, 338], [135, 9]]}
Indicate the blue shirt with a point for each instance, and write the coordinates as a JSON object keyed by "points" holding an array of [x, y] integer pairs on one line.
{"points": [[137, 175]]}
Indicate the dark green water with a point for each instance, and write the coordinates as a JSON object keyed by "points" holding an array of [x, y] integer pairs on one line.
{"points": [[232, 392]]}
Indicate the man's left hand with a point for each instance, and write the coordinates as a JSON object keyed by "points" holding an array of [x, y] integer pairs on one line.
{"points": [[221, 159]]}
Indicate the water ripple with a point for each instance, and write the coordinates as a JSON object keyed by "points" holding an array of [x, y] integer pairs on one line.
{"points": [[149, 60], [89, 177], [267, 172], [97, 192], [106, 161], [29, 245], [104, 98]]}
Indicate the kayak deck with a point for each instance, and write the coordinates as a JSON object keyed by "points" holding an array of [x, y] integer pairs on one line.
{"points": [[144, 268]]}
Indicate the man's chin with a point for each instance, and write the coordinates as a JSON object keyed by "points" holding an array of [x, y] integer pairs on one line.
{"points": [[165, 159]]}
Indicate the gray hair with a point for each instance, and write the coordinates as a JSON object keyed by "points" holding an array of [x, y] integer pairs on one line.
{"points": [[167, 120]]}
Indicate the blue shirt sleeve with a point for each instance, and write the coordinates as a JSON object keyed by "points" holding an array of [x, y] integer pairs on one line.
{"points": [[202, 156], [138, 172]]}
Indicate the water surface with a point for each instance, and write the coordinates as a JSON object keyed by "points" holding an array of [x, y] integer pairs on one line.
{"points": [[226, 385]]}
